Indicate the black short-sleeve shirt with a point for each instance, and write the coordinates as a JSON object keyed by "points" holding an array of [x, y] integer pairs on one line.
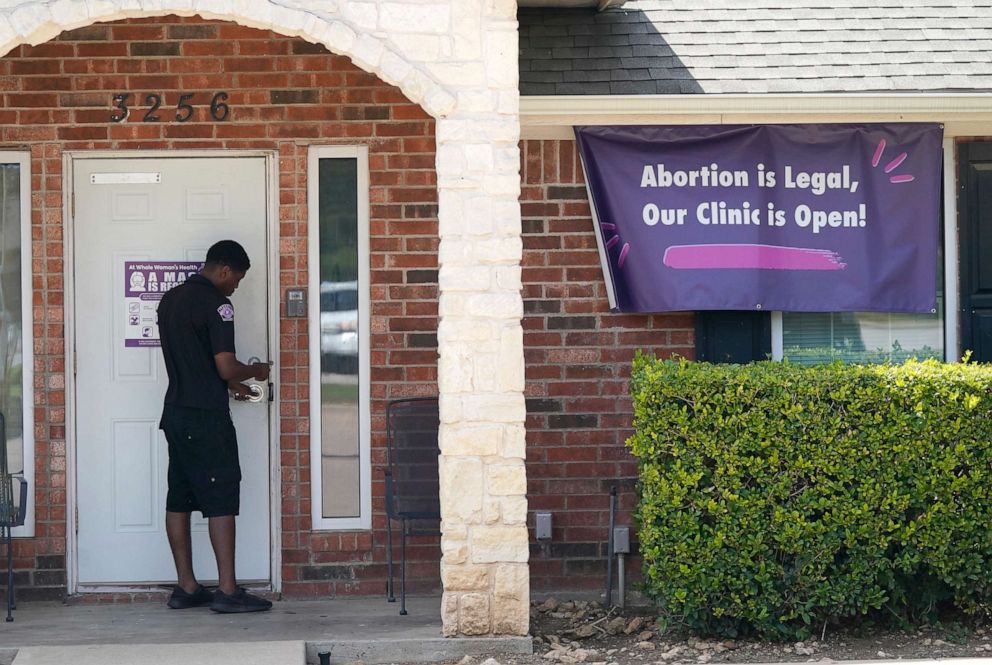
{"points": [[195, 322]]}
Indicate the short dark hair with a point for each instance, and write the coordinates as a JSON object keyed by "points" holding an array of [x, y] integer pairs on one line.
{"points": [[228, 253]]}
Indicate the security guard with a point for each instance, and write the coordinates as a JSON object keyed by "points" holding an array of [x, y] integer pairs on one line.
{"points": [[196, 324]]}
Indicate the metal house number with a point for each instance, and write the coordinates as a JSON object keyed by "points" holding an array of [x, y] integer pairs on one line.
{"points": [[219, 109]]}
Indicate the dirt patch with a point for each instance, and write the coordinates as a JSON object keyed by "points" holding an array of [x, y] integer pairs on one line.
{"points": [[584, 632]]}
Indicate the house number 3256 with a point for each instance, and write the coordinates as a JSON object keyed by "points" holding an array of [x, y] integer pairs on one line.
{"points": [[219, 110]]}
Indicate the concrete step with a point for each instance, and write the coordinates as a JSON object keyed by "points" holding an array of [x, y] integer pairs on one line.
{"points": [[214, 653]]}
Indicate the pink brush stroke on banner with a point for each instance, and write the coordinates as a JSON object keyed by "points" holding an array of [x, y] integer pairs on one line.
{"points": [[747, 256]]}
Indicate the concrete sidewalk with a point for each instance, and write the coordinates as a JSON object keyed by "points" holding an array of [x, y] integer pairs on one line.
{"points": [[369, 629]]}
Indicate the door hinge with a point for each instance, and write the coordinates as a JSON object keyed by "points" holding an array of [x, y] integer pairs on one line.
{"points": [[74, 363], [72, 205], [76, 518]]}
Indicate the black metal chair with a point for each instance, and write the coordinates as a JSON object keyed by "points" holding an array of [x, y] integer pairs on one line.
{"points": [[412, 485], [11, 514]]}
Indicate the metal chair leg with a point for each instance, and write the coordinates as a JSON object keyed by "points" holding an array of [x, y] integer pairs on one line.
{"points": [[10, 573], [389, 561], [403, 572]]}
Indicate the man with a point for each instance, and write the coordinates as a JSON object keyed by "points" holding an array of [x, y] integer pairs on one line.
{"points": [[196, 325]]}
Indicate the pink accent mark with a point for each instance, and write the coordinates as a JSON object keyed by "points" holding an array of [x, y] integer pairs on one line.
{"points": [[895, 162], [611, 243], [902, 178], [623, 255], [878, 153], [608, 227], [747, 256]]}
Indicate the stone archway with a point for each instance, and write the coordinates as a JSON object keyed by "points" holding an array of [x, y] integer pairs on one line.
{"points": [[458, 60]]}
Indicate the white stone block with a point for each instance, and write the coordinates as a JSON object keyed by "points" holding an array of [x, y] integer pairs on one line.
{"points": [[367, 52], [514, 442], [461, 488], [503, 185], [67, 12], [511, 580], [509, 278], [498, 544], [478, 101], [454, 372], [28, 19], [417, 47], [514, 509], [464, 577], [501, 58], [289, 20], [363, 15], [458, 74], [402, 17], [509, 102], [496, 305], [479, 156], [480, 441], [506, 479], [454, 532], [393, 68], [511, 360], [508, 159], [339, 37], [485, 372], [465, 278], [453, 551], [474, 614], [439, 103], [492, 511], [494, 408], [464, 331]]}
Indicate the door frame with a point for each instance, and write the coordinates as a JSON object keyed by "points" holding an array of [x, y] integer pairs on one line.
{"points": [[272, 292]]}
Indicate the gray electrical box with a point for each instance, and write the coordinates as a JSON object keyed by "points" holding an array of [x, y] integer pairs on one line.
{"points": [[296, 303], [621, 540], [543, 525]]}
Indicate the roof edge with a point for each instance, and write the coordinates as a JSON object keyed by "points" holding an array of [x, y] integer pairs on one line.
{"points": [[550, 116], [600, 5]]}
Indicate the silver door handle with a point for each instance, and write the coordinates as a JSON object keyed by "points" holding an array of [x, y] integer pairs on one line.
{"points": [[257, 393]]}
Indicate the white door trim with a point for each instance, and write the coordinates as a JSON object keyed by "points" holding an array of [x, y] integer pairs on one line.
{"points": [[68, 240]]}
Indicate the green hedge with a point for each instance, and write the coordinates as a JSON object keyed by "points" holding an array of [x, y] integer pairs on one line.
{"points": [[774, 497]]}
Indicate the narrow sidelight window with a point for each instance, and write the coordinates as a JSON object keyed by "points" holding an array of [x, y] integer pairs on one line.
{"points": [[339, 337], [16, 364]]}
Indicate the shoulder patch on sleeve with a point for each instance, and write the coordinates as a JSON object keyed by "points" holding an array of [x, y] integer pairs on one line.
{"points": [[226, 312]]}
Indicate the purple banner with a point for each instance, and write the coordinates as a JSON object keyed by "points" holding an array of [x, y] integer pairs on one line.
{"points": [[797, 218]]}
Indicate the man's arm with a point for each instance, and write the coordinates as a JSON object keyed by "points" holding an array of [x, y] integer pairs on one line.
{"points": [[232, 369]]}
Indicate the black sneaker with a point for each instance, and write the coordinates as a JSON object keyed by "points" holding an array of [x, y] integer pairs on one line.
{"points": [[242, 601], [181, 600]]}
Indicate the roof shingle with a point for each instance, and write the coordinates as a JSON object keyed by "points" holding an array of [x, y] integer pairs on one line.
{"points": [[793, 46]]}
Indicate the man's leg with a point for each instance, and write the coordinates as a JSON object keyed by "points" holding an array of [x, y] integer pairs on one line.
{"points": [[222, 539], [177, 528]]}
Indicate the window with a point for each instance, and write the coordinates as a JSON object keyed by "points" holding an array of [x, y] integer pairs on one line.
{"points": [[861, 337], [341, 467], [16, 365]]}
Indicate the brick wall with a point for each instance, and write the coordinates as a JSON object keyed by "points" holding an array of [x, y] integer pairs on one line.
{"points": [[285, 94], [578, 357]]}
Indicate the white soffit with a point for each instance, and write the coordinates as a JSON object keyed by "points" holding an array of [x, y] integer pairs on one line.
{"points": [[553, 116]]}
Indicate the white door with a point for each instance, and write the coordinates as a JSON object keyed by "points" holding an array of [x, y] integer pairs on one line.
{"points": [[157, 209]]}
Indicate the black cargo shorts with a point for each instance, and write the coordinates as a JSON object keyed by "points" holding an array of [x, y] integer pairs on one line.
{"points": [[204, 470]]}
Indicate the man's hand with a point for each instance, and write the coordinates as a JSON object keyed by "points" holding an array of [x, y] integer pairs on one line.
{"points": [[261, 371], [231, 369], [239, 391]]}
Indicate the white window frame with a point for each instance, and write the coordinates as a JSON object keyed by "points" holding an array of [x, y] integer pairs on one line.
{"points": [[23, 160], [951, 269], [364, 520]]}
